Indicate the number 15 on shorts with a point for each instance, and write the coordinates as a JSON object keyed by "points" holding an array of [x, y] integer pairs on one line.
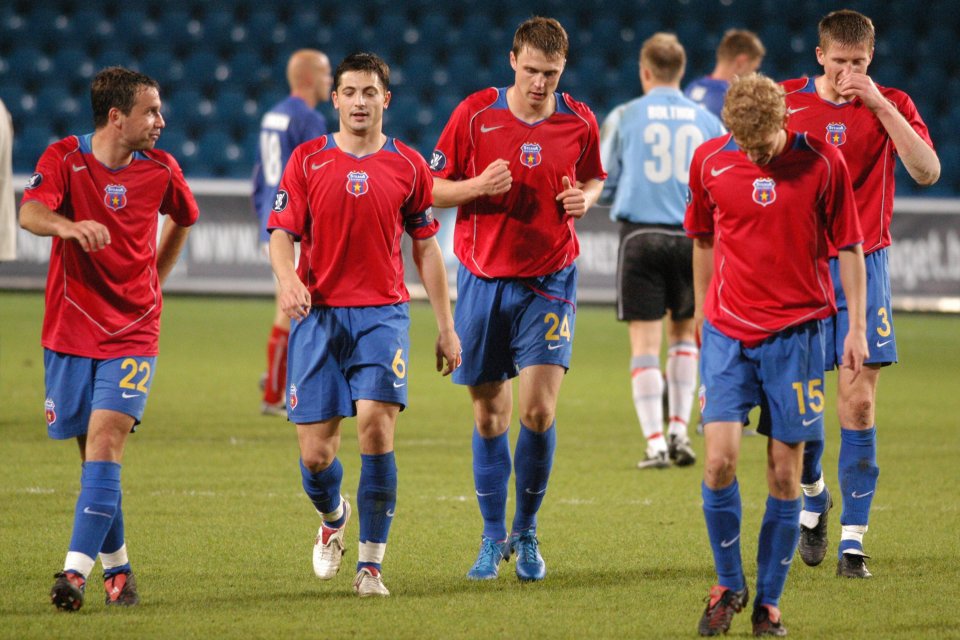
{"points": [[809, 400]]}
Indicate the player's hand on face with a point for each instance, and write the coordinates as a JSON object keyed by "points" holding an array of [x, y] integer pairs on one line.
{"points": [[295, 300], [861, 86], [448, 350], [496, 178], [572, 198], [91, 235]]}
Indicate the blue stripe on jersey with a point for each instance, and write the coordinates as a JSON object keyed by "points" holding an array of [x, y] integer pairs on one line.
{"points": [[809, 87], [731, 145]]}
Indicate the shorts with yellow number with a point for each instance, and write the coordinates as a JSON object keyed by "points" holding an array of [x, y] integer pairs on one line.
{"points": [[506, 324], [338, 355], [75, 386]]}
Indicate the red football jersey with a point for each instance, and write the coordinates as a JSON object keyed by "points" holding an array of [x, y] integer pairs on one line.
{"points": [[523, 232], [770, 226], [868, 150], [349, 214], [106, 303]]}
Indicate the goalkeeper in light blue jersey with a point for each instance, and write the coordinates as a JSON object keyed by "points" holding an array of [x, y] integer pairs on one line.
{"points": [[646, 146]]}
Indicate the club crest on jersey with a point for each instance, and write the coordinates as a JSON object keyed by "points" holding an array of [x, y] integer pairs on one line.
{"points": [[34, 181], [357, 183], [764, 191], [292, 397], [530, 154], [280, 201], [115, 196], [437, 160], [50, 409], [836, 133]]}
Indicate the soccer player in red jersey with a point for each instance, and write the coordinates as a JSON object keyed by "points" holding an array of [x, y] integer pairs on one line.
{"points": [[348, 197], [763, 202], [870, 125], [98, 196], [522, 163]]}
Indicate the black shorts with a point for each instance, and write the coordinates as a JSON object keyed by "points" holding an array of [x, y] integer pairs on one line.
{"points": [[654, 272]]}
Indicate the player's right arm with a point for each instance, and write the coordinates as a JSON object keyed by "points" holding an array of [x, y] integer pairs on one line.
{"points": [[702, 274], [294, 297], [495, 180], [853, 279], [42, 221]]}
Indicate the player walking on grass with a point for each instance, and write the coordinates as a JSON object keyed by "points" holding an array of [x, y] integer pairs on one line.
{"points": [[522, 163], [348, 197], [98, 196], [646, 146], [763, 201], [869, 125]]}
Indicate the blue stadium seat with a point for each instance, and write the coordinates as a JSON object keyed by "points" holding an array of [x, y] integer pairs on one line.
{"points": [[230, 109], [202, 68], [29, 143], [217, 153], [162, 66]]}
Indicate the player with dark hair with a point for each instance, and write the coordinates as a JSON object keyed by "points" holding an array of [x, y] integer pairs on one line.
{"points": [[870, 125], [522, 163], [348, 197], [646, 146], [763, 203], [288, 123], [740, 52], [98, 196]]}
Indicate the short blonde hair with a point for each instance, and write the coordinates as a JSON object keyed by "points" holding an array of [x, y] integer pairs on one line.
{"points": [[754, 109], [664, 56], [846, 28], [740, 41]]}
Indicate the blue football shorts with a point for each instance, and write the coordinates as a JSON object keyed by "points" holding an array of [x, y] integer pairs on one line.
{"points": [[506, 324], [783, 374], [881, 339], [75, 386], [338, 355]]}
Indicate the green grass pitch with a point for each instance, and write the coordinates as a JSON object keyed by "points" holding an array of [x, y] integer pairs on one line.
{"points": [[220, 533]]}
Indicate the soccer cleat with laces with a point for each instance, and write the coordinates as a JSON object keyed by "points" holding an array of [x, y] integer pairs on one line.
{"points": [[328, 549], [763, 624], [852, 565], [121, 589], [813, 540], [369, 583], [722, 604], [67, 591], [680, 451], [492, 553], [529, 565], [658, 460]]}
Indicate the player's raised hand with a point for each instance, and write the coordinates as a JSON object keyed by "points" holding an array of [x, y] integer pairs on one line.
{"points": [[572, 198], [448, 349], [91, 235], [496, 178], [294, 299], [861, 85]]}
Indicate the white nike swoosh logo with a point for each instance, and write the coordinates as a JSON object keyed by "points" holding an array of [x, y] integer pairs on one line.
{"points": [[397, 386], [856, 495], [91, 512], [786, 562], [554, 346], [716, 172], [790, 112], [486, 129], [484, 495], [130, 395], [729, 543], [883, 344], [390, 513], [76, 168], [536, 493], [322, 164], [809, 422]]}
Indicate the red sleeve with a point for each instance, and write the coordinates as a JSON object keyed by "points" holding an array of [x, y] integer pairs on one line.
{"points": [[698, 220], [908, 109], [290, 206], [843, 222], [48, 184], [449, 160], [178, 202], [589, 166], [418, 217]]}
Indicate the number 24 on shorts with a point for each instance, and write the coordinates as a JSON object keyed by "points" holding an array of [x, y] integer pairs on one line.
{"points": [[557, 328]]}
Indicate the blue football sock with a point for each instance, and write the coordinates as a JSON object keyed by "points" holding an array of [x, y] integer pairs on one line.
{"points": [[532, 462], [376, 502], [779, 535], [491, 475], [722, 511], [323, 489], [858, 472], [812, 472], [97, 505]]}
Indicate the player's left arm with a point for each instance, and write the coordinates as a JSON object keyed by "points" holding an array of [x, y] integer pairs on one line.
{"points": [[578, 198], [433, 274], [918, 157], [172, 239], [853, 279], [702, 274]]}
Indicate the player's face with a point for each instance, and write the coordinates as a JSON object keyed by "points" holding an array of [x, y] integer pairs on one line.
{"points": [[536, 76], [141, 128], [840, 61], [360, 100], [762, 153]]}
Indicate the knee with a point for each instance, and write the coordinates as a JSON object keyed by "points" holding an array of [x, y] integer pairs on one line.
{"points": [[858, 411], [719, 470], [538, 417], [319, 457], [491, 424]]}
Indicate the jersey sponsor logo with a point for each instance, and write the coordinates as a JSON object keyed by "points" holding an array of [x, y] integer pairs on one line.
{"points": [[836, 133], [34, 180], [50, 409], [316, 166], [280, 201], [115, 196], [437, 160], [485, 129], [790, 112], [79, 167], [357, 183], [764, 191], [716, 172], [292, 399], [530, 154]]}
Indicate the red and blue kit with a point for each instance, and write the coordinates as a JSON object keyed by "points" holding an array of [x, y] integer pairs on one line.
{"points": [[867, 148], [107, 303], [523, 232], [349, 213], [770, 226]]}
